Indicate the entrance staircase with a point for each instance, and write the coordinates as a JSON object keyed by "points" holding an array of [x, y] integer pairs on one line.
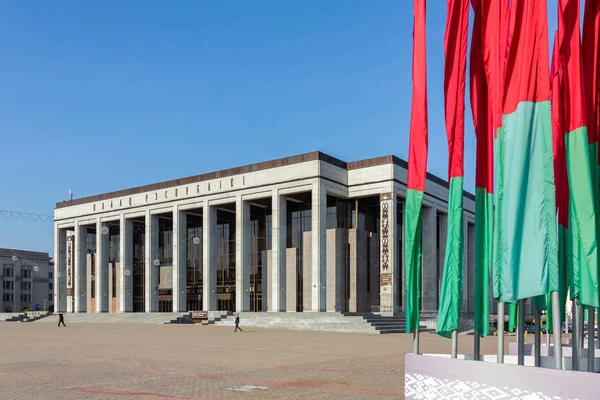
{"points": [[213, 317], [26, 317], [328, 321]]}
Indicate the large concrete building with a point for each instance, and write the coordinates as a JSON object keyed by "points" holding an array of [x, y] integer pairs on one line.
{"points": [[303, 233], [27, 279]]}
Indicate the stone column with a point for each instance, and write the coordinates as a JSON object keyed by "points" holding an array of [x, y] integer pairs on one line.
{"points": [[358, 271], [80, 269], [125, 272], [179, 259], [429, 278], [209, 263], [373, 242], [151, 250], [90, 302], [243, 247], [291, 279], [60, 269], [388, 260], [336, 270], [267, 262], [319, 245], [279, 245], [307, 282], [102, 266]]}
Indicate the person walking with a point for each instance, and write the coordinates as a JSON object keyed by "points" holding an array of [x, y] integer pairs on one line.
{"points": [[237, 324], [61, 319]]}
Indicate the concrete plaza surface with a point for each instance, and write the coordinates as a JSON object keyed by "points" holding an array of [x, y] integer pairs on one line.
{"points": [[171, 362]]}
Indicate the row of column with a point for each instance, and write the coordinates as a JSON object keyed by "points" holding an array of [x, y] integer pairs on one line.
{"points": [[72, 296], [390, 266]]}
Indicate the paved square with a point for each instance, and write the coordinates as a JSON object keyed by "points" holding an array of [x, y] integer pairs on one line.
{"points": [[143, 361]]}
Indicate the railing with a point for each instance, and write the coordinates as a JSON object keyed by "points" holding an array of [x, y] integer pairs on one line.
{"points": [[382, 309]]}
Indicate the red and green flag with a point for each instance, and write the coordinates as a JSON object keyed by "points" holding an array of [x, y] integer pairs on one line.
{"points": [[455, 49], [561, 183], [417, 169], [591, 78], [484, 171], [495, 45], [583, 271], [525, 250]]}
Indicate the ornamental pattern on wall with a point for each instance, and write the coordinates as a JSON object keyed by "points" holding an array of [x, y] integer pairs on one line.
{"points": [[417, 386], [384, 235]]}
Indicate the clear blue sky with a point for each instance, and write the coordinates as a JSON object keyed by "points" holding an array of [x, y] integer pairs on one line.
{"points": [[101, 96]]}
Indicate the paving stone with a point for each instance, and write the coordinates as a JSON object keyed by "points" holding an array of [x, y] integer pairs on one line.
{"points": [[174, 362]]}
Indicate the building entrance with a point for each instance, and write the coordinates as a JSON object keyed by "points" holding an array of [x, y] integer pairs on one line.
{"points": [[226, 248], [226, 301]]}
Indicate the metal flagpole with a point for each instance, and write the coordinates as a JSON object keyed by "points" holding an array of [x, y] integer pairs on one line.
{"points": [[591, 347], [575, 336], [537, 341], [556, 329], [521, 333], [454, 351], [581, 330], [416, 341], [500, 332], [476, 345]]}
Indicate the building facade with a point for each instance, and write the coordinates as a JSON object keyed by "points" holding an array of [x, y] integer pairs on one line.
{"points": [[27, 279], [298, 234]]}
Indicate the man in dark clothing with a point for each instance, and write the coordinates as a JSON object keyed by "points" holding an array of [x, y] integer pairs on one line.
{"points": [[237, 323], [61, 319]]}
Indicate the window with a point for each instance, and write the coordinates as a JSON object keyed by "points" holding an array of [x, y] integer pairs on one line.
{"points": [[50, 297], [8, 297], [9, 271], [25, 298], [8, 284], [50, 286], [25, 285], [26, 272], [50, 275]]}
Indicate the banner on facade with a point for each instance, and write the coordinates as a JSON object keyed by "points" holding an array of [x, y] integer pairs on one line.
{"points": [[70, 240]]}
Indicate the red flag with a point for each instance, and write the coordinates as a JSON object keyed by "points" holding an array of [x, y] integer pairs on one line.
{"points": [[569, 39], [480, 107], [455, 46], [558, 142], [527, 55], [417, 153], [495, 24], [591, 63]]}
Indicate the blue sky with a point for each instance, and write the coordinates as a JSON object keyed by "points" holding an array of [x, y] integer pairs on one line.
{"points": [[101, 96]]}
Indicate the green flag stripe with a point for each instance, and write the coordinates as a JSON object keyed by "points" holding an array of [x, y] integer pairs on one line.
{"points": [[497, 237], [484, 227], [452, 276], [582, 219], [527, 250], [412, 253]]}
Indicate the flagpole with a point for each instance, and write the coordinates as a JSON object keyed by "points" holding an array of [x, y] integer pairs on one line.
{"points": [[454, 349], [575, 337], [557, 330], [416, 340], [500, 332], [591, 337], [476, 344], [521, 333], [537, 342]]}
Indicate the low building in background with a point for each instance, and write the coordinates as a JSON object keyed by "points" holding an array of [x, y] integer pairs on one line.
{"points": [[27, 280]]}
